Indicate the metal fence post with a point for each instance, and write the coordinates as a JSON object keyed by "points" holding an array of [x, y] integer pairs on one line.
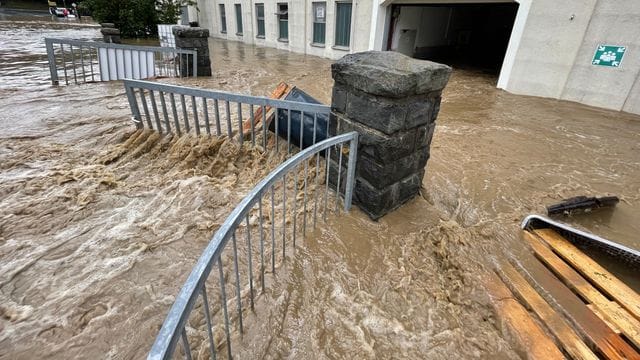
{"points": [[52, 61], [351, 172], [133, 103], [195, 63]]}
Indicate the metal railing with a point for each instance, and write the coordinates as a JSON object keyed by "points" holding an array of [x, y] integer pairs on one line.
{"points": [[178, 109], [82, 61], [208, 332]]}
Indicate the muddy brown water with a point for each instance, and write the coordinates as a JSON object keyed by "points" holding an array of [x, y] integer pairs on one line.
{"points": [[100, 225]]}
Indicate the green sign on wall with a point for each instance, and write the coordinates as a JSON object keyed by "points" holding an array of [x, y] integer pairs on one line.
{"points": [[608, 55]]}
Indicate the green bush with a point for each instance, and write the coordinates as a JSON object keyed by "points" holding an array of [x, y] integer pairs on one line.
{"points": [[137, 18]]}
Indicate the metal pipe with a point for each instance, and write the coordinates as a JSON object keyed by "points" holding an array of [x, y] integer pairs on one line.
{"points": [[223, 302], [184, 114], [51, 55], [205, 305], [163, 103], [133, 104], [185, 344], [253, 126], [73, 64], [261, 243], [351, 172], [146, 108], [217, 114], [229, 132], [284, 213], [235, 268], [249, 249], [206, 116], [174, 110], [196, 122], [339, 177], [273, 232], [64, 65], [240, 131], [84, 76], [154, 106]]}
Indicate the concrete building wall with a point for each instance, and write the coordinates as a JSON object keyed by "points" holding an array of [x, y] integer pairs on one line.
{"points": [[300, 25], [614, 22], [557, 46]]}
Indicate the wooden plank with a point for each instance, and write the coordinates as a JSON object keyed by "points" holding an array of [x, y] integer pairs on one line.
{"points": [[518, 324], [596, 311], [598, 275], [570, 341], [611, 312], [281, 91]]}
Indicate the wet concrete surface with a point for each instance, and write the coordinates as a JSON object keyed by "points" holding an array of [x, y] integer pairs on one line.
{"points": [[100, 224]]}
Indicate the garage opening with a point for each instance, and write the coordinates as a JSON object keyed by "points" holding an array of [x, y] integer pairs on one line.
{"points": [[468, 36]]}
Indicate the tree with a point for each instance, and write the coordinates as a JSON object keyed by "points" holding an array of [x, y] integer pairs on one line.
{"points": [[137, 18]]}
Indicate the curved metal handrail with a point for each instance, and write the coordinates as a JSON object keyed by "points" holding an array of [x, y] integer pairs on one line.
{"points": [[173, 326]]}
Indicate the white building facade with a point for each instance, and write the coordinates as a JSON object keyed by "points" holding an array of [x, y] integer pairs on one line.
{"points": [[322, 28], [545, 48]]}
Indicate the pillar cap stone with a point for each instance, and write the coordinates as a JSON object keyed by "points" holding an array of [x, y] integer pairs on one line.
{"points": [[190, 32], [390, 74]]}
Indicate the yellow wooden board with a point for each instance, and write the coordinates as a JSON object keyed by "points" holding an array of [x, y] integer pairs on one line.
{"points": [[600, 277], [568, 338], [517, 322], [611, 312]]}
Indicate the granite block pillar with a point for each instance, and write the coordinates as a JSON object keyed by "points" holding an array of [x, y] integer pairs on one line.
{"points": [[392, 101], [193, 38]]}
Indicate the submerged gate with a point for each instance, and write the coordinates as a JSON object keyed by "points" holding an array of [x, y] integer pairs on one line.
{"points": [[82, 61], [264, 226]]}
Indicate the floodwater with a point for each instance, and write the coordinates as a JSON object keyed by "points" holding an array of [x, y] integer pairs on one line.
{"points": [[101, 224]]}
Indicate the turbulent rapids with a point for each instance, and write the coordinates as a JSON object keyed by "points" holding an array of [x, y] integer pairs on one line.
{"points": [[100, 224]]}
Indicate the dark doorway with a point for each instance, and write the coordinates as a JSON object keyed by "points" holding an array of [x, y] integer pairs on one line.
{"points": [[462, 35]]}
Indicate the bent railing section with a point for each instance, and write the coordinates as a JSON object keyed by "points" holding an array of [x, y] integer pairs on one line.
{"points": [[81, 61], [177, 109], [302, 184]]}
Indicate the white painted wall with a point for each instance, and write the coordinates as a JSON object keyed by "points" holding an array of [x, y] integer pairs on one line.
{"points": [[300, 25], [553, 57], [615, 23]]}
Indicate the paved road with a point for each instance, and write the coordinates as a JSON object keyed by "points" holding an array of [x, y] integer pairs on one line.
{"points": [[24, 12]]}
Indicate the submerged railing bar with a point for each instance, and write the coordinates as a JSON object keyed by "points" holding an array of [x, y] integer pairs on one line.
{"points": [[163, 103], [146, 108], [261, 243], [174, 110], [194, 107], [273, 232], [64, 65], [223, 302], [173, 327], [154, 107], [205, 305], [235, 269], [217, 114], [231, 97], [241, 135], [125, 56], [184, 113], [250, 260], [206, 116], [339, 177], [227, 107]]}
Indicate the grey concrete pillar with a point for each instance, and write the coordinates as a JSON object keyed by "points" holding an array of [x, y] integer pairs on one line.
{"points": [[109, 33], [392, 101], [193, 38]]}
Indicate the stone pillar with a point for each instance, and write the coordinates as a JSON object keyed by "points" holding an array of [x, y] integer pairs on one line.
{"points": [[392, 101], [109, 33], [193, 38]]}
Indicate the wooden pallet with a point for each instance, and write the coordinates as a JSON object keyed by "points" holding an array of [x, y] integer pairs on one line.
{"points": [[576, 308]]}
